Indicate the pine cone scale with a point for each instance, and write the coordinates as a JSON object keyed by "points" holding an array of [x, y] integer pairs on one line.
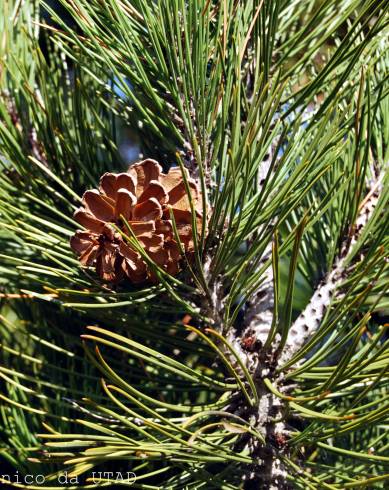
{"points": [[99, 207]]}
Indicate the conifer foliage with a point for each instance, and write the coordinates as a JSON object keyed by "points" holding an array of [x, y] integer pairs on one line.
{"points": [[211, 314]]}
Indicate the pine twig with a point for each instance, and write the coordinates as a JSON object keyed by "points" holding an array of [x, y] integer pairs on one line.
{"points": [[310, 318]]}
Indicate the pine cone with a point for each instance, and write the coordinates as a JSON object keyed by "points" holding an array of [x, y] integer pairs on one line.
{"points": [[143, 196]]}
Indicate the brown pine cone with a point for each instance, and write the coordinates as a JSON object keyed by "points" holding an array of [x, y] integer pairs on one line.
{"points": [[143, 196]]}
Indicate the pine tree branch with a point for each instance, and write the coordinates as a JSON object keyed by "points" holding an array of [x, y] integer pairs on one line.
{"points": [[309, 320], [259, 313]]}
